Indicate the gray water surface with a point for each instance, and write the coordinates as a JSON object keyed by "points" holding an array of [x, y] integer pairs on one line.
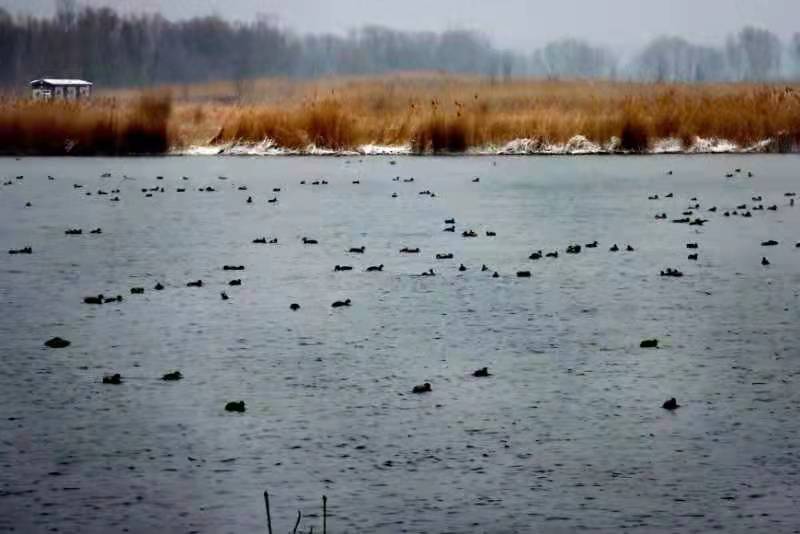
{"points": [[567, 435]]}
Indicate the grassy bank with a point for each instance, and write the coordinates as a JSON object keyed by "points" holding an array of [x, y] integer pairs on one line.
{"points": [[427, 112]]}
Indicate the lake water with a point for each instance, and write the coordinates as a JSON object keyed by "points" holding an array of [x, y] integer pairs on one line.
{"points": [[568, 433]]}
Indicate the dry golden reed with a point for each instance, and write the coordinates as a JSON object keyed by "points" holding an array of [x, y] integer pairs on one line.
{"points": [[99, 128], [431, 113]]}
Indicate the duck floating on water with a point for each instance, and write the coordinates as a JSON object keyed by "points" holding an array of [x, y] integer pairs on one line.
{"points": [[614, 248], [158, 286], [692, 245], [429, 272], [574, 249], [764, 261], [338, 268], [675, 273], [523, 274], [294, 306], [671, 404], [692, 257], [469, 233], [770, 243], [407, 250], [482, 372], [444, 256], [307, 241], [449, 229], [423, 388], [196, 283], [462, 268], [490, 233], [375, 268], [260, 240], [553, 254], [223, 295], [341, 303], [536, 255], [57, 343], [233, 267], [236, 282], [593, 244], [115, 379], [23, 250], [357, 250], [172, 376], [235, 406]]}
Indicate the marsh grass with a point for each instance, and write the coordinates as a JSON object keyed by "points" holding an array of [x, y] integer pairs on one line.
{"points": [[141, 126], [436, 114], [431, 113]]}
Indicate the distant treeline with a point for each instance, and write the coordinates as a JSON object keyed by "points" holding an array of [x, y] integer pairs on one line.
{"points": [[131, 50]]}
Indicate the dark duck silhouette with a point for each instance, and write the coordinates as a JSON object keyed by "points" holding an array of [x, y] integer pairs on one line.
{"points": [[536, 255], [357, 250], [444, 256], [236, 282], [338, 268], [223, 295], [423, 388], [235, 406], [340, 303], [375, 268], [671, 404], [593, 244], [407, 250], [172, 376], [483, 371], [764, 261], [294, 306], [307, 241], [99, 299], [196, 283], [614, 248], [114, 379], [462, 267]]}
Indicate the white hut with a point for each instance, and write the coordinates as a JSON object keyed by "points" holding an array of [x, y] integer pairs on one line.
{"points": [[60, 89]]}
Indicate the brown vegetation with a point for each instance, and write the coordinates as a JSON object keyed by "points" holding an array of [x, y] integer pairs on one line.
{"points": [[431, 113], [100, 128]]}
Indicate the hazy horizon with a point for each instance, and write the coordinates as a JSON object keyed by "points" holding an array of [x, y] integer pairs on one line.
{"points": [[517, 24]]}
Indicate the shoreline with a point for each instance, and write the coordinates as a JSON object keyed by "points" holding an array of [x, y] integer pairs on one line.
{"points": [[576, 146]]}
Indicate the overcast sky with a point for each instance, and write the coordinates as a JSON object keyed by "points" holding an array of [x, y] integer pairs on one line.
{"points": [[521, 24]]}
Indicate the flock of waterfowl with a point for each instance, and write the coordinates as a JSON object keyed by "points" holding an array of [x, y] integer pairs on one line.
{"points": [[688, 216]]}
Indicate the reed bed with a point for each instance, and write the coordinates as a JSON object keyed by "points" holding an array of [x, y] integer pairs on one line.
{"points": [[431, 113], [103, 127], [442, 114]]}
